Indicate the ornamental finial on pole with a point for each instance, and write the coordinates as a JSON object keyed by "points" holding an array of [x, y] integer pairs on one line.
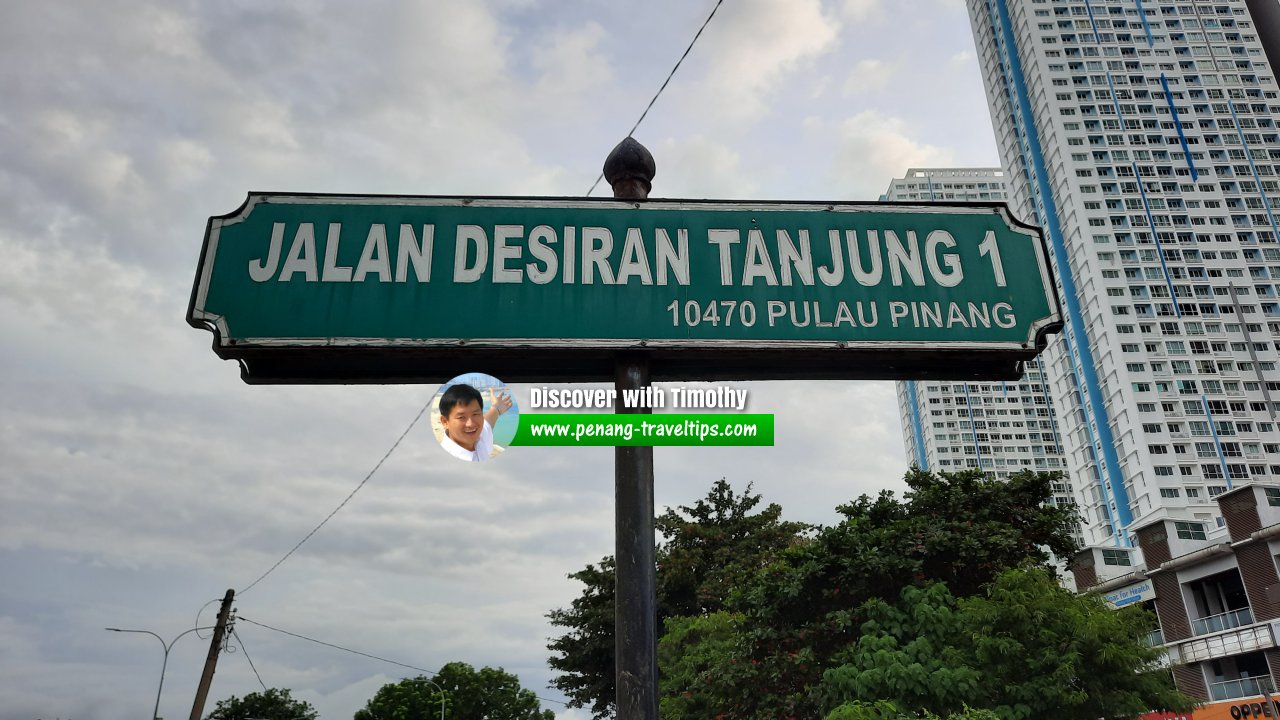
{"points": [[630, 170]]}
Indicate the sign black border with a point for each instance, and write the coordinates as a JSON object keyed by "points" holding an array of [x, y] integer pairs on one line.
{"points": [[311, 363]]}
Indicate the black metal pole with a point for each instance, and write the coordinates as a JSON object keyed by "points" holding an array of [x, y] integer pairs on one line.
{"points": [[635, 615], [630, 170]]}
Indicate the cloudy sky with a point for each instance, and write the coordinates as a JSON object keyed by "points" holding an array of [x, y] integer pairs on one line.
{"points": [[141, 478]]}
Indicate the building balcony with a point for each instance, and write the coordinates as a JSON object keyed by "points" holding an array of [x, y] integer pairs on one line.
{"points": [[1214, 647], [1224, 621], [1244, 687]]}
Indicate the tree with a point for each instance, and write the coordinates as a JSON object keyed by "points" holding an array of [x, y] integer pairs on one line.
{"points": [[270, 704], [714, 547], [584, 654], [708, 552], [1025, 648], [885, 710], [690, 651], [907, 656], [408, 699], [805, 608], [468, 694]]}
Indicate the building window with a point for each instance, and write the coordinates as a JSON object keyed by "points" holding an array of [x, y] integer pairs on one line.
{"points": [[1190, 530], [1273, 496], [1115, 557]]}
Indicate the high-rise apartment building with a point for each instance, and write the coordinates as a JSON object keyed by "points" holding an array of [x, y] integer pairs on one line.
{"points": [[1000, 427], [1141, 135], [948, 185]]}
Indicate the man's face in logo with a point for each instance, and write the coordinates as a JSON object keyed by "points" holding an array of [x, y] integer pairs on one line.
{"points": [[464, 423]]}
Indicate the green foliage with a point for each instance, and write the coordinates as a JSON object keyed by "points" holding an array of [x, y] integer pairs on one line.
{"points": [[710, 550], [858, 710], [805, 608], [1102, 667], [689, 653], [584, 654], [715, 547], [408, 699], [905, 653], [1026, 648], [466, 694], [886, 614], [885, 710], [270, 704], [968, 714]]}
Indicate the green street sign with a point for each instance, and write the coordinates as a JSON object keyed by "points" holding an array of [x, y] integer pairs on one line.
{"points": [[316, 288]]}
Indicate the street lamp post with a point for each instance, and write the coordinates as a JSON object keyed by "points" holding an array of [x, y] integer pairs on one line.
{"points": [[155, 714], [434, 684]]}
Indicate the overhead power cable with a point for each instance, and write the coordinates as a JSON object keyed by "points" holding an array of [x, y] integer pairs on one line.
{"points": [[342, 504], [365, 654], [336, 647], [245, 650], [201, 612], [664, 84]]}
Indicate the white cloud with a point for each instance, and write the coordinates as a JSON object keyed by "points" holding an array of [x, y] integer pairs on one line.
{"points": [[873, 149], [572, 68], [860, 10], [697, 167], [754, 48], [868, 76], [183, 162]]}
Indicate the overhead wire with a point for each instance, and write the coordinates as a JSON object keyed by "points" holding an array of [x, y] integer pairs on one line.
{"points": [[342, 504], [432, 673], [201, 612], [337, 647], [664, 84], [245, 650]]}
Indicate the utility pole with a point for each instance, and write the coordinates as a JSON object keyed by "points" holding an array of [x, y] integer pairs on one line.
{"points": [[211, 662], [630, 169]]}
